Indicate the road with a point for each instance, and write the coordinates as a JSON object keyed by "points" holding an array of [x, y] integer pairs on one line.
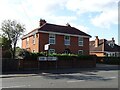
{"points": [[104, 76]]}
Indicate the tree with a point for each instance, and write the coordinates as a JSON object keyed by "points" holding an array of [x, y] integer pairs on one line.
{"points": [[5, 45], [12, 30]]}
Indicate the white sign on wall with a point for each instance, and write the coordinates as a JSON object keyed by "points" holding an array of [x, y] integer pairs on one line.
{"points": [[52, 58], [42, 58], [47, 58], [46, 47]]}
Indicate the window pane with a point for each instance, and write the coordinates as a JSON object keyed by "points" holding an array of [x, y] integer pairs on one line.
{"points": [[52, 41], [67, 40], [34, 37], [51, 38], [80, 41], [67, 37]]}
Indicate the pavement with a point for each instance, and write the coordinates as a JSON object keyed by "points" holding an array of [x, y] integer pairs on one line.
{"points": [[36, 72]]}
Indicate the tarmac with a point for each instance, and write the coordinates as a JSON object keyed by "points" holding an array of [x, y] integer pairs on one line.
{"points": [[36, 72]]}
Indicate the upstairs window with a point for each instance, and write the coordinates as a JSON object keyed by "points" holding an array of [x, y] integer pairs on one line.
{"points": [[27, 42], [34, 37], [111, 44], [67, 40], [51, 38], [80, 41]]}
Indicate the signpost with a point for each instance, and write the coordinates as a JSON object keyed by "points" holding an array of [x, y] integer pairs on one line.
{"points": [[46, 58], [46, 47]]}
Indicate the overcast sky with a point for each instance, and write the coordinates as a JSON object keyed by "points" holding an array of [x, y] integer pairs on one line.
{"points": [[95, 17]]}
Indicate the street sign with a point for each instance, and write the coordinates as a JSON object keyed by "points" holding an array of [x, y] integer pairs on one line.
{"points": [[52, 58], [42, 58], [47, 58]]}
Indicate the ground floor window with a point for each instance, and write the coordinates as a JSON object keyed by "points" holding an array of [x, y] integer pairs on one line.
{"points": [[67, 51], [51, 51], [111, 54], [80, 52]]}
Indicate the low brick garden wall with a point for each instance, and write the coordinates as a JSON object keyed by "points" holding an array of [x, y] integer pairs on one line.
{"points": [[20, 64], [17, 64]]}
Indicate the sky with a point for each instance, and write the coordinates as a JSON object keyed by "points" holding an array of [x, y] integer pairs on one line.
{"points": [[95, 17]]}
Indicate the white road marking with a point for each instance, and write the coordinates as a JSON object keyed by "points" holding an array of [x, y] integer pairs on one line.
{"points": [[17, 86], [110, 77], [72, 81], [108, 71]]}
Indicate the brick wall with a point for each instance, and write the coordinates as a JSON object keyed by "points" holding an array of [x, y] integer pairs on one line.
{"points": [[60, 47], [31, 46], [73, 63], [43, 38]]}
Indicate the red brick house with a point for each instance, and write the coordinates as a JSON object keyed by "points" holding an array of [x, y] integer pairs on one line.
{"points": [[103, 47], [62, 39]]}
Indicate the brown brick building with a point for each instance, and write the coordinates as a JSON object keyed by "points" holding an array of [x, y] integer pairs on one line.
{"points": [[103, 47], [62, 39]]}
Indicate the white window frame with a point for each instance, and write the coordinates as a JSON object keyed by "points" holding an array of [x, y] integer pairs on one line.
{"points": [[66, 41], [80, 41], [51, 50], [27, 42], [52, 37], [80, 51], [34, 38]]}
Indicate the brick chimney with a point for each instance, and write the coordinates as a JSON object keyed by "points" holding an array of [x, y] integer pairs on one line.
{"points": [[68, 25], [113, 41], [96, 41], [42, 22]]}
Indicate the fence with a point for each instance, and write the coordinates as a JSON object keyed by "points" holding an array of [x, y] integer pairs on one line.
{"points": [[10, 64]]}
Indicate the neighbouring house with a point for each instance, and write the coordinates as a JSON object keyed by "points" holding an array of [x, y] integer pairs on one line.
{"points": [[103, 47], [62, 39]]}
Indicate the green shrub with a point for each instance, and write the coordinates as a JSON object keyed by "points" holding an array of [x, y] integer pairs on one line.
{"points": [[86, 57]]}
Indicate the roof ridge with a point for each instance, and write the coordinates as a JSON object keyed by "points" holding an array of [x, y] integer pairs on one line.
{"points": [[58, 25]]}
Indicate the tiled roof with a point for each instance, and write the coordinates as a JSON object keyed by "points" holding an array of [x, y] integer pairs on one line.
{"points": [[58, 29], [99, 48], [62, 29], [104, 45]]}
